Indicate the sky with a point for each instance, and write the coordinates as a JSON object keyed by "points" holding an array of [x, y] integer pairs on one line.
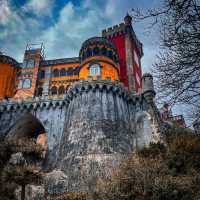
{"points": [[63, 25]]}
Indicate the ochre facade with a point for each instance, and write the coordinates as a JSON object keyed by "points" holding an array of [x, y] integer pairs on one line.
{"points": [[7, 77], [114, 56]]}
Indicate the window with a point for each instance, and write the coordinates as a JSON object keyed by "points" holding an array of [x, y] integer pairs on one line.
{"points": [[96, 51], [26, 83], [62, 72], [61, 90], [67, 87], [42, 74], [28, 63], [55, 73], [110, 54], [83, 56], [20, 84], [54, 90], [104, 51], [88, 53], [70, 72], [95, 70], [39, 92]]}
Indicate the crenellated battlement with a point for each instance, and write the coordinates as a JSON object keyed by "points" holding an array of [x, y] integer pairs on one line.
{"points": [[108, 86], [114, 30], [31, 104]]}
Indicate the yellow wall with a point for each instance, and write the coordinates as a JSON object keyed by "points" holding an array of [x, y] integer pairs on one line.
{"points": [[65, 81], [7, 80], [108, 68]]}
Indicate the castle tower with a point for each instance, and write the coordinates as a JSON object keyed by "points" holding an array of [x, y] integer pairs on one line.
{"points": [[99, 60], [28, 75], [130, 52], [7, 76]]}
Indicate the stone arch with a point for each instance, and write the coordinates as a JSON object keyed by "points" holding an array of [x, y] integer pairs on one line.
{"points": [[29, 127]]}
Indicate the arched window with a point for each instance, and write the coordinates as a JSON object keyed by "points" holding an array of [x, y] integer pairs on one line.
{"points": [[96, 51], [67, 88], [110, 54], [115, 58], [55, 73], [54, 90], [61, 90], [104, 51], [26, 83], [83, 56], [88, 53], [39, 91], [95, 70], [42, 74], [62, 72], [20, 85]]}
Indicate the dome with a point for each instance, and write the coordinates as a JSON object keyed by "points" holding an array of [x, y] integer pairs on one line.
{"points": [[7, 60], [98, 46]]}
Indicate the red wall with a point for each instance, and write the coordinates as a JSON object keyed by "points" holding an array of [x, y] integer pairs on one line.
{"points": [[119, 42], [137, 70]]}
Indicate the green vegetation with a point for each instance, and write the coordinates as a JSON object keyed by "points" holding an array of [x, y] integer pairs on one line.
{"points": [[158, 172]]}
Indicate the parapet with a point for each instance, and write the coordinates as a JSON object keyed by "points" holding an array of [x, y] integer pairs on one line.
{"points": [[31, 104], [108, 86], [114, 30]]}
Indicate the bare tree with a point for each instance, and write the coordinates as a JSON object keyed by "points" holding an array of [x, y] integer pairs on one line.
{"points": [[177, 68]]}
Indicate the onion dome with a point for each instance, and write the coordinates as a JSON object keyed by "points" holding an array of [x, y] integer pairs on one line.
{"points": [[98, 46]]}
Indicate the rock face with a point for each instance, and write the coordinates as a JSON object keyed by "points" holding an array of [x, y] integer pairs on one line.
{"points": [[96, 126]]}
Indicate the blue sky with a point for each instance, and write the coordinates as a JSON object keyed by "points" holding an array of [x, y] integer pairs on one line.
{"points": [[63, 25]]}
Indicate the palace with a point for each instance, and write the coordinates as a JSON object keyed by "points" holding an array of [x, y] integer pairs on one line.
{"points": [[89, 112], [115, 56]]}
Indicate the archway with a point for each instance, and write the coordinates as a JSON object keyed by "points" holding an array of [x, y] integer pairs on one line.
{"points": [[29, 127]]}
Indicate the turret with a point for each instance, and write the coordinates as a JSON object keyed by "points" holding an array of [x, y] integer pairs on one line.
{"points": [[99, 60], [148, 87], [130, 53], [27, 78], [8, 69]]}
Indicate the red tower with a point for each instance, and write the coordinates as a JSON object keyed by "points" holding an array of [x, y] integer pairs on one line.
{"points": [[130, 53]]}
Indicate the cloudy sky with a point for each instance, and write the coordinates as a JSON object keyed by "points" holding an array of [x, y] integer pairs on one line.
{"points": [[62, 25]]}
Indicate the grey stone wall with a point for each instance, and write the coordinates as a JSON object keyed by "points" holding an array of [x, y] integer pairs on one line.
{"points": [[96, 126], [51, 113]]}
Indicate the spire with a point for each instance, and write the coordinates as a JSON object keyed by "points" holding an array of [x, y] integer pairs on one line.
{"points": [[128, 20]]}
